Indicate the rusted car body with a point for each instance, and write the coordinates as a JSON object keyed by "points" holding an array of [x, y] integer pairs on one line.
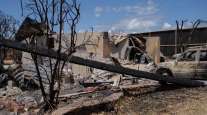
{"points": [[190, 64]]}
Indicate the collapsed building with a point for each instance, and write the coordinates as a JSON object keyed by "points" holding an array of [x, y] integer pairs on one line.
{"points": [[125, 48], [99, 46], [132, 50], [121, 55], [17, 63], [20, 68]]}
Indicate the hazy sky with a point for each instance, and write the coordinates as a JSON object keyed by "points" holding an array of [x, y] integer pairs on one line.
{"points": [[128, 15]]}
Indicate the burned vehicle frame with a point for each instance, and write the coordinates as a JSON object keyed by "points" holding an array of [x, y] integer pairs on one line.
{"points": [[190, 64]]}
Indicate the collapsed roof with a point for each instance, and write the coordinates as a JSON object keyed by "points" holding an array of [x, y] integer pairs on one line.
{"points": [[28, 28]]}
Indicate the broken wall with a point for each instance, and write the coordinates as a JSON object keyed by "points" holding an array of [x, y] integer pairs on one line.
{"points": [[153, 48], [91, 46], [26, 57], [119, 46], [119, 50]]}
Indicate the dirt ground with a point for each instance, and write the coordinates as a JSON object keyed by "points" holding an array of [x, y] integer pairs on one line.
{"points": [[168, 100]]}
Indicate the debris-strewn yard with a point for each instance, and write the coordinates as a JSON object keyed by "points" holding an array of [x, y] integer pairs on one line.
{"points": [[173, 101]]}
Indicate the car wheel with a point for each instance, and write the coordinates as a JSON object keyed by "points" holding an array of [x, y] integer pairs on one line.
{"points": [[165, 73]]}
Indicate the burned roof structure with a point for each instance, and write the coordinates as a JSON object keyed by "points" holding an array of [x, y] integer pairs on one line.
{"points": [[30, 27], [167, 39]]}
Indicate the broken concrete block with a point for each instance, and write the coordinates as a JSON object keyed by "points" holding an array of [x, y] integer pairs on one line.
{"points": [[116, 79], [13, 91], [10, 84]]}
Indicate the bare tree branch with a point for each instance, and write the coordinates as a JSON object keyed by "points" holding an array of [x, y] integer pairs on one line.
{"points": [[54, 14]]}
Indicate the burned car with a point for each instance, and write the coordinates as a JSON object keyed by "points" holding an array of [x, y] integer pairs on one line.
{"points": [[190, 64]]}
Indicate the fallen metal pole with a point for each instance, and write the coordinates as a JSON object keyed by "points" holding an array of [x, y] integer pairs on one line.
{"points": [[98, 65]]}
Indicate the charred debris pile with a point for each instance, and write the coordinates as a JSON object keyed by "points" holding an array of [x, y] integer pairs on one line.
{"points": [[102, 66]]}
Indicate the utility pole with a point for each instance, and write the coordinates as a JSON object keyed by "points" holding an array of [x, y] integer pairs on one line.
{"points": [[176, 37]]}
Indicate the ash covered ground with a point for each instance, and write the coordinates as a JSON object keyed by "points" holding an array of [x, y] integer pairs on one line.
{"points": [[165, 100]]}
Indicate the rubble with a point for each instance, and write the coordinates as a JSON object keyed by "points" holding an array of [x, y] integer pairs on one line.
{"points": [[106, 83], [87, 102], [10, 91], [3, 79], [15, 100], [28, 102], [101, 65], [88, 89]]}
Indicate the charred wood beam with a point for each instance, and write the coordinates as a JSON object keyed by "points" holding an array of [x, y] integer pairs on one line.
{"points": [[98, 65], [92, 84]]}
